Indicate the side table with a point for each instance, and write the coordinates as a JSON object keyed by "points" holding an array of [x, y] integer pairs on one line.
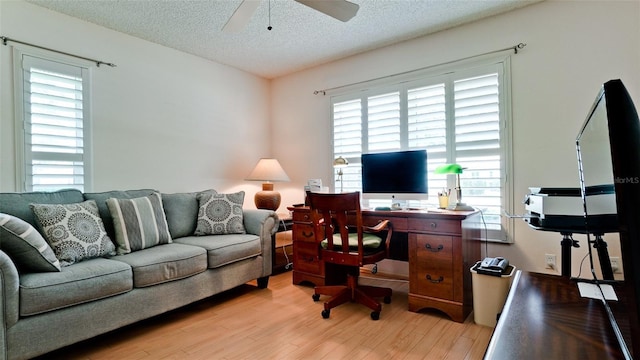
{"points": [[281, 244]]}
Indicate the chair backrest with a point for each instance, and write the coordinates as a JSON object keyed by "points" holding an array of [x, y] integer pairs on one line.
{"points": [[334, 212]]}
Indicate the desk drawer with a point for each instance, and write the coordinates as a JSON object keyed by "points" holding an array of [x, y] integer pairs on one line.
{"points": [[397, 223], [304, 232], [302, 215], [435, 226], [306, 257], [431, 266]]}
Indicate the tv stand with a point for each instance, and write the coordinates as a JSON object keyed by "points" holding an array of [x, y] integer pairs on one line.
{"points": [[569, 242], [574, 327]]}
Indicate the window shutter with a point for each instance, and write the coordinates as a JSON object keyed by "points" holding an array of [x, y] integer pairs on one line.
{"points": [[347, 140], [457, 116], [383, 122], [477, 134], [54, 125]]}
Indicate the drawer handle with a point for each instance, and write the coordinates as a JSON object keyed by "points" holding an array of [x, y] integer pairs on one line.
{"points": [[306, 217], [308, 258], [306, 234], [439, 248], [439, 280], [433, 225]]}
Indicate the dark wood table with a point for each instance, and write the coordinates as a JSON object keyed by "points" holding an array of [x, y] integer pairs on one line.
{"points": [[546, 318]]}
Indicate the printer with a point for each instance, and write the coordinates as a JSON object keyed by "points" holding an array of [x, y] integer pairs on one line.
{"points": [[562, 209]]}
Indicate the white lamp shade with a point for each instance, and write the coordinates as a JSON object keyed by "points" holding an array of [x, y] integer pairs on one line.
{"points": [[268, 169]]}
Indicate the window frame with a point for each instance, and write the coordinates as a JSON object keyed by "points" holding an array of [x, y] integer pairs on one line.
{"points": [[51, 60], [448, 73]]}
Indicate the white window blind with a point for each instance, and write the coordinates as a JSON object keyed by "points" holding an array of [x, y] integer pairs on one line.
{"points": [[456, 116], [55, 125], [477, 144], [383, 122]]}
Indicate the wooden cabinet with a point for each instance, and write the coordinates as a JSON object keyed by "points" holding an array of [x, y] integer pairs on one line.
{"points": [[442, 247], [306, 252], [441, 254]]}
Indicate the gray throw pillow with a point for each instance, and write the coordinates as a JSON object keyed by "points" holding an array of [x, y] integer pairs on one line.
{"points": [[220, 213], [139, 223], [26, 247], [74, 231]]}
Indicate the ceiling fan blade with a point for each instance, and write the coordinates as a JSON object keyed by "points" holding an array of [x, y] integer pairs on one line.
{"points": [[241, 16], [340, 9]]}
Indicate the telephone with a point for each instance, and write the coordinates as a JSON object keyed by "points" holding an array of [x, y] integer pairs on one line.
{"points": [[493, 266]]}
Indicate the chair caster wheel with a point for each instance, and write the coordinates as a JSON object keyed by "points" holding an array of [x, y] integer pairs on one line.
{"points": [[315, 297], [326, 313], [375, 315], [387, 300]]}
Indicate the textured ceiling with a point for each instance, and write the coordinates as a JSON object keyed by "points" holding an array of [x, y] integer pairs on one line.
{"points": [[301, 37]]}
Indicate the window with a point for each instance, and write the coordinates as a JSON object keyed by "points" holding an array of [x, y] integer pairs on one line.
{"points": [[52, 105], [457, 116]]}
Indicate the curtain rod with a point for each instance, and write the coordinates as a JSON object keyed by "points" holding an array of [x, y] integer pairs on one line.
{"points": [[98, 62], [515, 49]]}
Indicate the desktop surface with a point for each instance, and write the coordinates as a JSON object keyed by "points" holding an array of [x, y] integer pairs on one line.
{"points": [[546, 318]]}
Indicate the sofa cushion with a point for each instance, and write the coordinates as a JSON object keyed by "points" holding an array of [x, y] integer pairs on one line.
{"points": [[139, 223], [17, 204], [182, 213], [225, 249], [164, 263], [26, 247], [74, 231], [79, 283], [101, 200], [220, 213]]}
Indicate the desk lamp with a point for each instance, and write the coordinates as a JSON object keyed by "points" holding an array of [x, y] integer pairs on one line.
{"points": [[455, 169], [340, 163], [269, 171]]}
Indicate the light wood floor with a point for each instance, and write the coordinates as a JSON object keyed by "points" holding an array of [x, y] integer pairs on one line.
{"points": [[283, 322]]}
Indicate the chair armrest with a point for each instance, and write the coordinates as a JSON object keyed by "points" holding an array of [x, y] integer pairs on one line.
{"points": [[382, 225]]}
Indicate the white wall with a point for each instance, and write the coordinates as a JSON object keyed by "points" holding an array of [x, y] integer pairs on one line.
{"points": [[572, 48], [162, 119]]}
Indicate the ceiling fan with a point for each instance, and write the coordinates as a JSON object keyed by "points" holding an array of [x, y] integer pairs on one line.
{"points": [[339, 9]]}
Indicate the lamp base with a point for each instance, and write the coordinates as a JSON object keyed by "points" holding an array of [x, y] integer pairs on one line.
{"points": [[267, 198], [461, 207]]}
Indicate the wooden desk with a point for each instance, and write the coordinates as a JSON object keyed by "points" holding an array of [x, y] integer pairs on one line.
{"points": [[441, 248], [545, 318]]}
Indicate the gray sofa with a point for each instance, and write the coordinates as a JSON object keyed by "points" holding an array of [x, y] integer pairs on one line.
{"points": [[44, 311]]}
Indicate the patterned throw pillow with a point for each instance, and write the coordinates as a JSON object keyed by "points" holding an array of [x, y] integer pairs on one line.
{"points": [[74, 231], [139, 223], [220, 213], [24, 244]]}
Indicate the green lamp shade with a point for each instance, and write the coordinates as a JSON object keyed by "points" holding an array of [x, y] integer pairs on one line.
{"points": [[448, 169]]}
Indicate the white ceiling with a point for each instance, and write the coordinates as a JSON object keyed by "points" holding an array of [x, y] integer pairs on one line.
{"points": [[301, 37]]}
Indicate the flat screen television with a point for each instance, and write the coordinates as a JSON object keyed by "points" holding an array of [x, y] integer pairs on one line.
{"points": [[398, 176], [608, 147]]}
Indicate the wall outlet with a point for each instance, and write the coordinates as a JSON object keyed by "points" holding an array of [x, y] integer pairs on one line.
{"points": [[550, 261], [615, 264]]}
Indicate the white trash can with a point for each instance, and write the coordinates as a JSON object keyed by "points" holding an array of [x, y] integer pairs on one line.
{"points": [[489, 294]]}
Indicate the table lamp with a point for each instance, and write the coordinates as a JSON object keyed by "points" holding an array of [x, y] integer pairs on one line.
{"points": [[455, 169], [269, 171], [340, 163]]}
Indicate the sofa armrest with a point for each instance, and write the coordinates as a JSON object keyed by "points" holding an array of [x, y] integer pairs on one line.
{"points": [[9, 295], [263, 223]]}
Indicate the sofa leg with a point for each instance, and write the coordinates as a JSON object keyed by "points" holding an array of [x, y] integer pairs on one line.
{"points": [[263, 282]]}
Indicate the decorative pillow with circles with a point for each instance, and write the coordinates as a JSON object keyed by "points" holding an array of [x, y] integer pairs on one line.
{"points": [[74, 231], [220, 213]]}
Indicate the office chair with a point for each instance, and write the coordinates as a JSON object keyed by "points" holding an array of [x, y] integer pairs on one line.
{"points": [[348, 251]]}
